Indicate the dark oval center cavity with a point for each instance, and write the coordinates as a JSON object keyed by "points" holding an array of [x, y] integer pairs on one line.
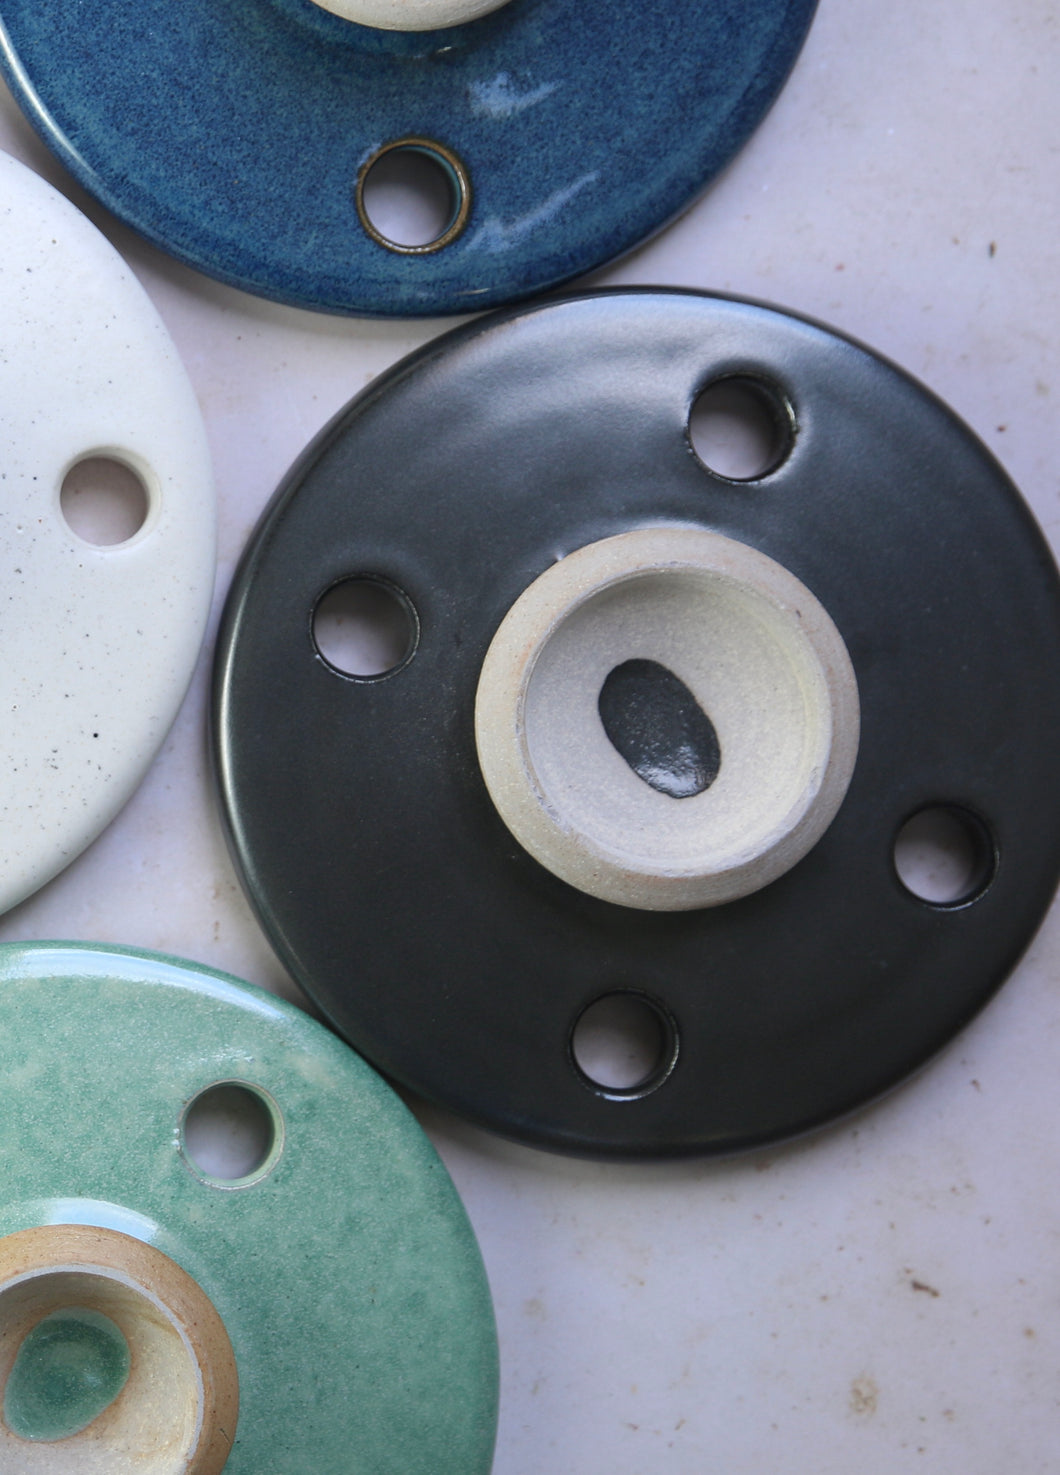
{"points": [[656, 724]]}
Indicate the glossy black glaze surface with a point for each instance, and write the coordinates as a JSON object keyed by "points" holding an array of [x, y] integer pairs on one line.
{"points": [[357, 813]]}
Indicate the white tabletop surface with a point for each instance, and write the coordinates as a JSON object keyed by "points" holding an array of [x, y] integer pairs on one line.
{"points": [[886, 1295]]}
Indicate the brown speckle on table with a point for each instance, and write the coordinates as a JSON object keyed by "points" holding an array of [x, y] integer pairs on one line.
{"points": [[919, 1285], [863, 1397]]}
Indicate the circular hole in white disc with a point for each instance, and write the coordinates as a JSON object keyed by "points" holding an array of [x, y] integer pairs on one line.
{"points": [[103, 501]]}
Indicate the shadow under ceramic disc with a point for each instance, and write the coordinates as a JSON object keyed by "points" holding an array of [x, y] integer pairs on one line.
{"points": [[233, 135], [358, 814], [339, 1257]]}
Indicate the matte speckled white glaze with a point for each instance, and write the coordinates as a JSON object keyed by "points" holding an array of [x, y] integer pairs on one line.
{"points": [[99, 642]]}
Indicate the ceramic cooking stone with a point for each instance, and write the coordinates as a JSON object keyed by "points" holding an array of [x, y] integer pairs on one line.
{"points": [[239, 136], [326, 1310], [99, 639], [648, 734]]}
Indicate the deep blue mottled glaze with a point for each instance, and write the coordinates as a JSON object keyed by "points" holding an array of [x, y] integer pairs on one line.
{"points": [[230, 132]]}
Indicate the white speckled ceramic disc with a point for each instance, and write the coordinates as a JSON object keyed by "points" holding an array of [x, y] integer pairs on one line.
{"points": [[98, 643]]}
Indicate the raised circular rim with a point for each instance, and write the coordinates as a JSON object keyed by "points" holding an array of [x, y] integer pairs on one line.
{"points": [[538, 818], [394, 15], [796, 1004], [32, 1259], [458, 176], [347, 1278]]}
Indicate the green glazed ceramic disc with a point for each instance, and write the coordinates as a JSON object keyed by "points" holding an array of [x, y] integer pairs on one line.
{"points": [[343, 1265]]}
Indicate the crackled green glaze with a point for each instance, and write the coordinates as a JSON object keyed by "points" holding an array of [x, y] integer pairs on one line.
{"points": [[346, 1273], [69, 1368]]}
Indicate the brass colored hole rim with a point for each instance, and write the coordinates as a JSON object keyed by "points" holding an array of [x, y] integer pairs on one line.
{"points": [[459, 179]]}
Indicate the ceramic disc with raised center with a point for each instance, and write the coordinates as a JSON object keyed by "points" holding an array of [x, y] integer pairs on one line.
{"points": [[414, 898], [338, 1257], [100, 621], [237, 136]]}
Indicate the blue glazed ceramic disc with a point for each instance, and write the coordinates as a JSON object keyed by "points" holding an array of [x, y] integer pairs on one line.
{"points": [[232, 132]]}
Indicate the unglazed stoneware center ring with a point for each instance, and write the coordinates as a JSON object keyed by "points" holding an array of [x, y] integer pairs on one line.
{"points": [[459, 919], [142, 1262], [756, 654], [111, 1359], [410, 15]]}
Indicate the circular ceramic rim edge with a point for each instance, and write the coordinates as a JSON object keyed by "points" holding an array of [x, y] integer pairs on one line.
{"points": [[357, 1204], [230, 222], [537, 816], [410, 15], [91, 1265]]}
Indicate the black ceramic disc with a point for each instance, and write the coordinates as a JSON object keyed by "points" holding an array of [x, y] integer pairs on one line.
{"points": [[366, 837]]}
